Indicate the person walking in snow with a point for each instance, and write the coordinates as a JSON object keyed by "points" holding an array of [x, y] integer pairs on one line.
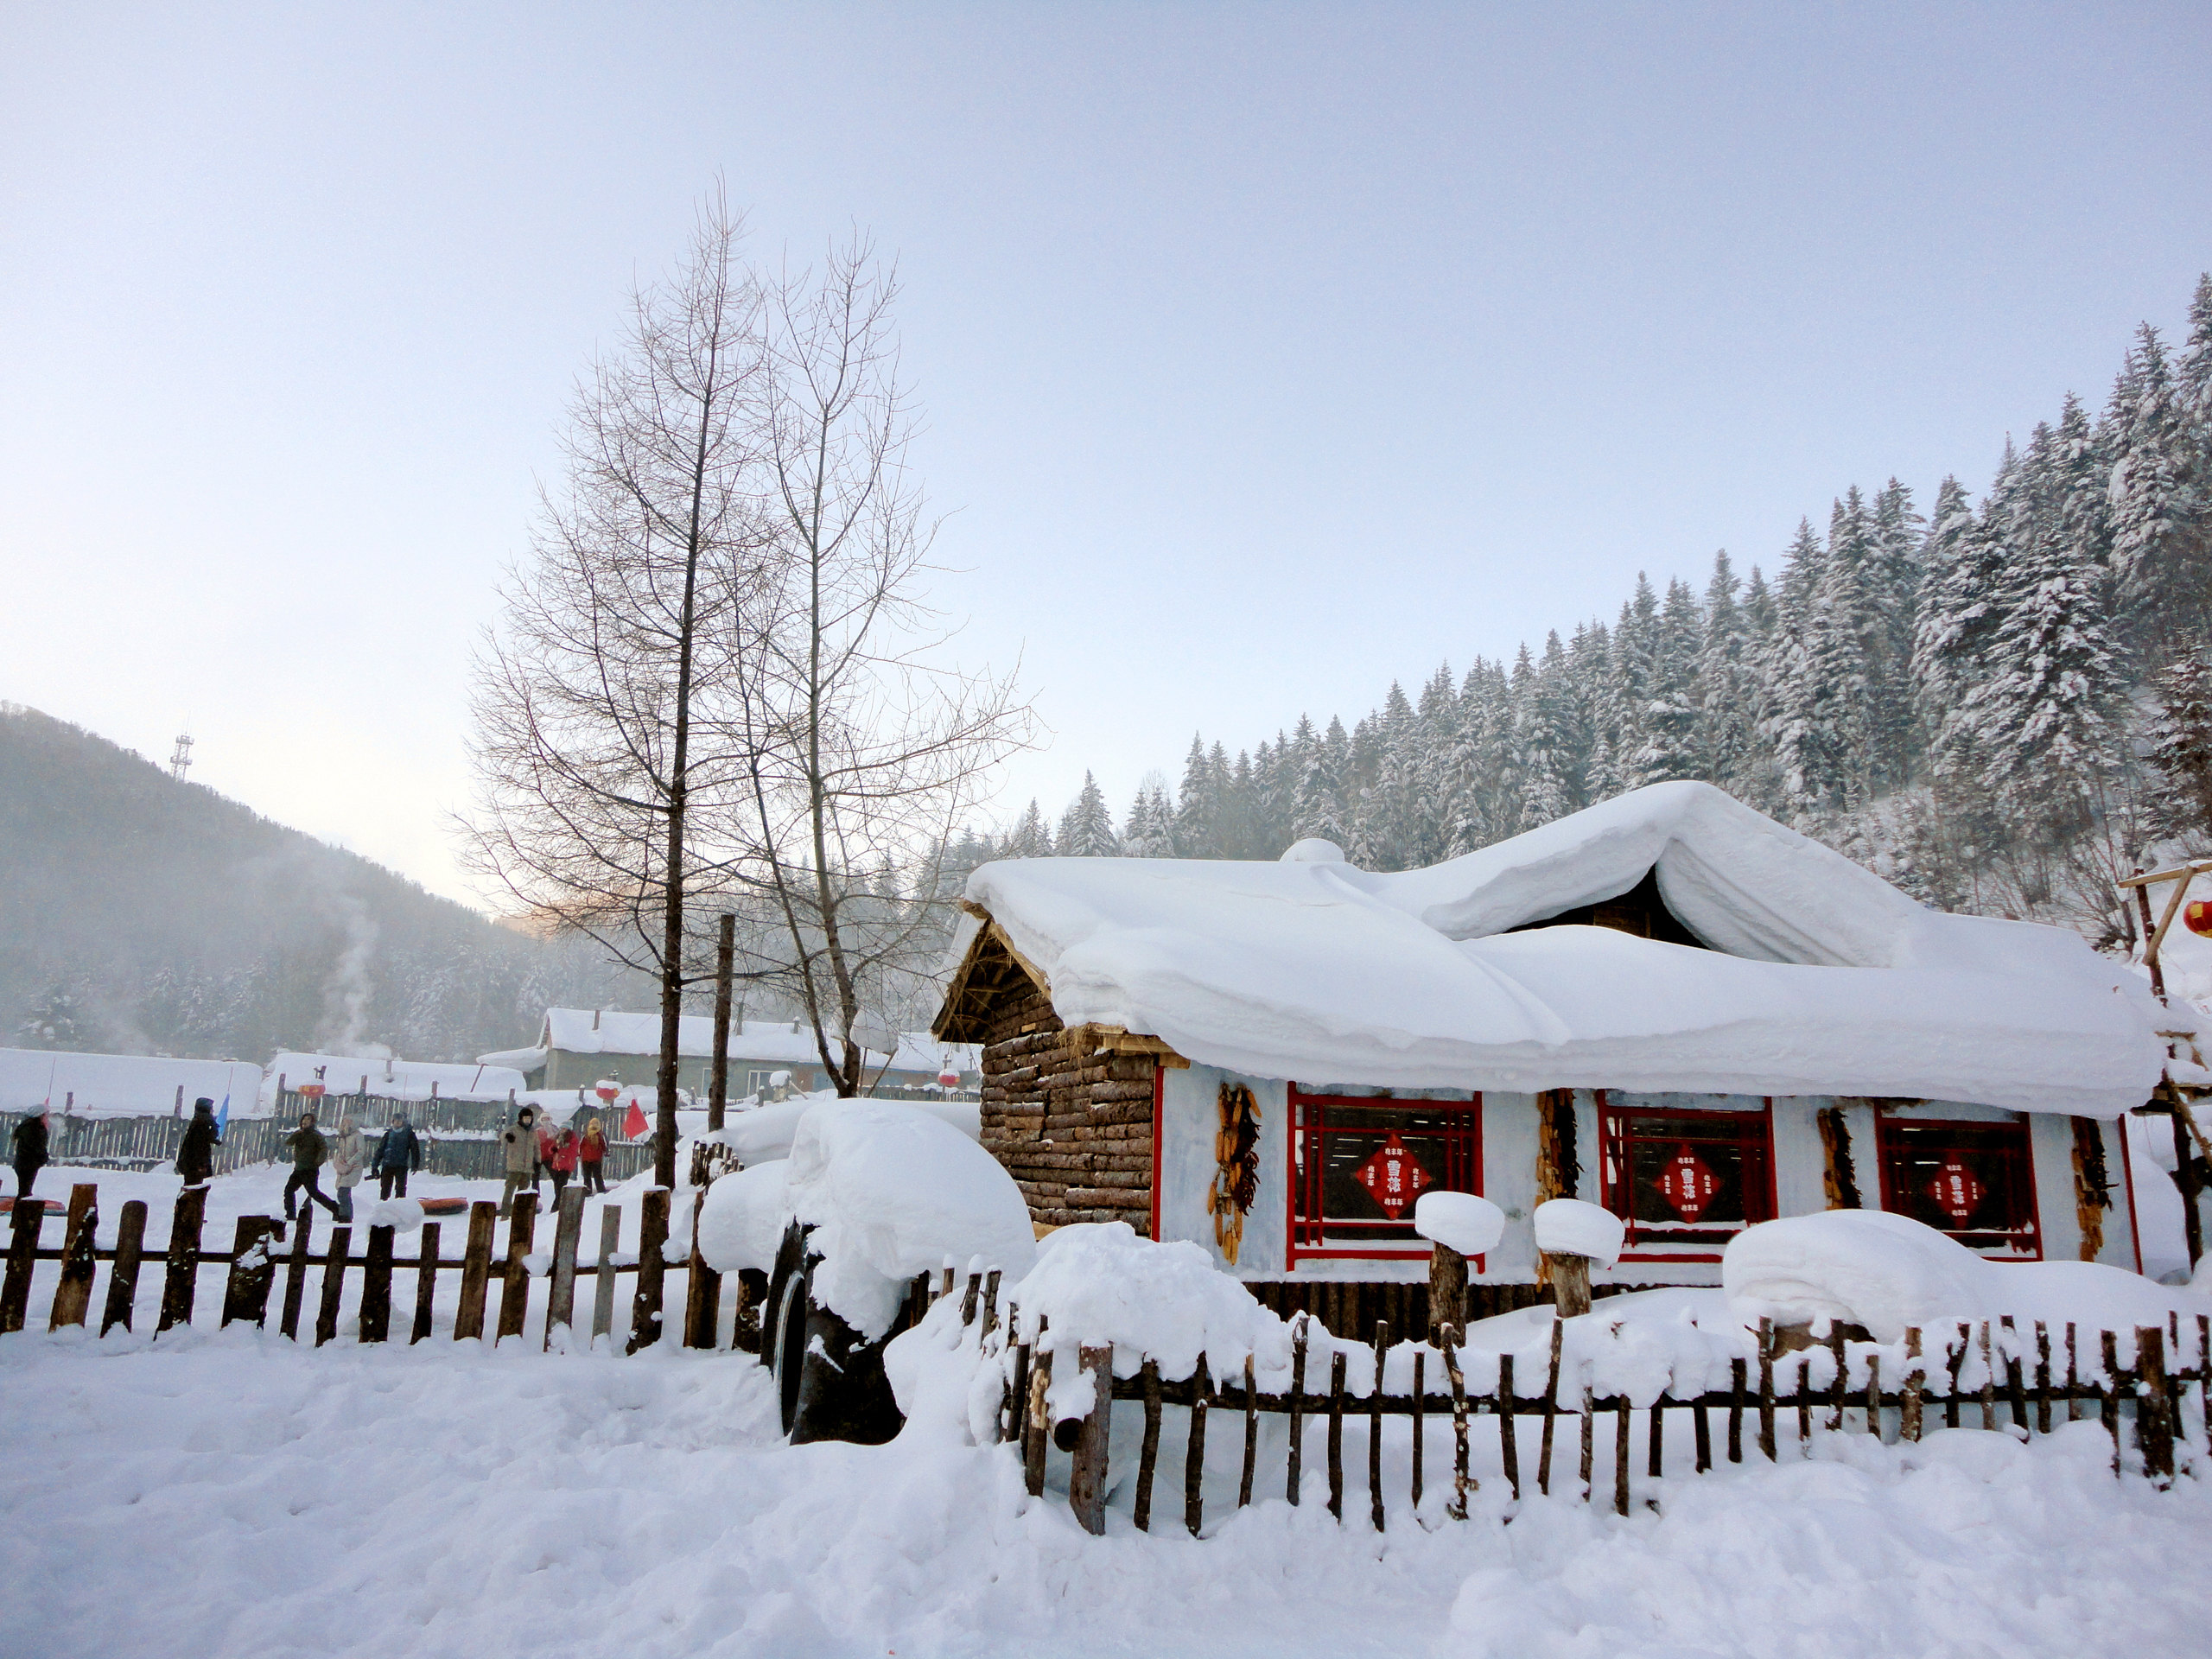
{"points": [[399, 1151], [519, 1142], [591, 1158], [28, 1150], [561, 1160], [310, 1151], [545, 1153], [346, 1155], [195, 1158]]}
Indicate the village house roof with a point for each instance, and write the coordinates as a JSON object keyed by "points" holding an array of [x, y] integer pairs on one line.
{"points": [[1817, 976], [781, 1042], [395, 1079]]}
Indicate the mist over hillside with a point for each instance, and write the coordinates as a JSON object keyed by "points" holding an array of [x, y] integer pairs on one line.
{"points": [[139, 914]]}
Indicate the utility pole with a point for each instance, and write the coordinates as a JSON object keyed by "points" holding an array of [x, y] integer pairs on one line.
{"points": [[718, 1080]]}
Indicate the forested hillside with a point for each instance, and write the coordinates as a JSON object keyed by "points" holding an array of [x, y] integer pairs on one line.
{"points": [[2000, 706], [142, 915]]}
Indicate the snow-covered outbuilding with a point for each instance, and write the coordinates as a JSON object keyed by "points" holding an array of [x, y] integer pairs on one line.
{"points": [[1667, 1004], [578, 1047]]}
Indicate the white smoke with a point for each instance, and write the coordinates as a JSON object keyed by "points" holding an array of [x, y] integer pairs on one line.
{"points": [[346, 989]]}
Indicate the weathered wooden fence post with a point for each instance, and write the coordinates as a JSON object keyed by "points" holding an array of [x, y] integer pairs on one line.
{"points": [[1375, 1429], [1551, 1414], [1909, 1403], [74, 1293], [702, 1288], [561, 1289], [253, 1269], [1447, 1288], [1336, 1434], [514, 1287], [333, 1284], [2154, 1427], [475, 1271], [1148, 1448], [426, 1281], [1194, 1449], [1036, 1426], [22, 1262], [1766, 1387], [1297, 1408], [610, 1243], [1508, 1444], [295, 1275], [181, 1277], [1087, 1478], [375, 1323], [122, 1277], [646, 1305]]}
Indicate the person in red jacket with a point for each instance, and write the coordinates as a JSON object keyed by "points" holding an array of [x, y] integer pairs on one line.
{"points": [[591, 1157], [561, 1158]]}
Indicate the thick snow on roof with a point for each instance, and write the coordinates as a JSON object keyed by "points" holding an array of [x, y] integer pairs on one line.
{"points": [[783, 1042], [393, 1078], [1822, 978], [120, 1086]]}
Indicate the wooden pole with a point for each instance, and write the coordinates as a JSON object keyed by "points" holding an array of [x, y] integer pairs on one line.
{"points": [[1955, 1363], [1909, 1403], [334, 1285], [1551, 1415], [2108, 1396], [653, 1235], [1621, 1420], [29, 1216], [610, 1243], [969, 1300], [514, 1286], [702, 1288], [568, 1238], [1017, 1395], [1766, 1387], [426, 1281], [2043, 1378], [991, 1301], [2014, 1392], [1148, 1449], [1297, 1408], [296, 1275], [1448, 1343], [2154, 1427], [1508, 1445], [1251, 1437], [1194, 1449], [245, 1292], [1087, 1472], [1036, 1427], [74, 1294], [2074, 1378], [1655, 1441], [1375, 1429], [1336, 1434], [1837, 1385], [1701, 1426], [374, 1321], [1737, 1372], [1874, 1395], [475, 1272], [1988, 1381], [122, 1277], [181, 1276], [1588, 1438], [1447, 1288], [1570, 1283], [718, 1079]]}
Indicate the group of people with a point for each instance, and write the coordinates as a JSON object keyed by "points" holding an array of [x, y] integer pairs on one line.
{"points": [[398, 1154], [534, 1148]]}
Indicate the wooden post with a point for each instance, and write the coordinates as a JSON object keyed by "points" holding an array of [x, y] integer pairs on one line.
{"points": [[1148, 1449], [1421, 1424], [1621, 1420], [1017, 1395], [968, 1301], [2074, 1379], [181, 1277], [1447, 1288], [1655, 1441], [718, 1079], [514, 1286], [1336, 1434], [1766, 1387], [122, 1277], [2043, 1378], [1909, 1403], [2154, 1427], [1448, 1343], [1701, 1426], [29, 1216], [1736, 1374], [1570, 1276], [245, 1292], [1037, 1425], [1297, 1408], [1955, 1362], [2109, 1397], [333, 1284], [2013, 1390], [1551, 1415], [74, 1294], [610, 1241], [1988, 1381], [1375, 1429], [991, 1301], [702, 1288], [295, 1275], [375, 1322], [1874, 1395], [1194, 1449], [1251, 1436], [475, 1271], [2204, 1370], [1588, 1437], [1804, 1399], [568, 1238], [1087, 1475], [426, 1281], [1508, 1445], [652, 1267], [1838, 1385]]}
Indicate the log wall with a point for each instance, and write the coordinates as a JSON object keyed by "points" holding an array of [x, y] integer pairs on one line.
{"points": [[1073, 1128]]}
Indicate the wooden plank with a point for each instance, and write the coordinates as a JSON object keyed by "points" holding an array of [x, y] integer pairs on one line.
{"points": [[1420, 1426], [122, 1277], [1017, 1395], [1508, 1411], [1375, 1429], [1036, 1427], [1588, 1427], [334, 1285], [2154, 1427], [647, 1304], [475, 1271], [1551, 1414], [1251, 1437], [1874, 1395], [514, 1279], [610, 1244], [1621, 1421], [73, 1295], [295, 1275], [375, 1321], [1988, 1381], [1837, 1383], [1297, 1409], [1194, 1451], [1336, 1434], [181, 1276], [245, 1292], [2108, 1394], [1087, 1471], [1148, 1449], [1655, 1440], [1736, 1370], [1766, 1389], [568, 1239], [2043, 1378], [22, 1262], [702, 1288], [426, 1281], [2073, 1380], [1909, 1404], [1701, 1429]]}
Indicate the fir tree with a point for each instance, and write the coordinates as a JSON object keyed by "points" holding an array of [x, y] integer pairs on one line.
{"points": [[1087, 830]]}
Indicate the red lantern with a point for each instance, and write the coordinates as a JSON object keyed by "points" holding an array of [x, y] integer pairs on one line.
{"points": [[2196, 916], [607, 1091], [309, 1091], [1392, 1176]]}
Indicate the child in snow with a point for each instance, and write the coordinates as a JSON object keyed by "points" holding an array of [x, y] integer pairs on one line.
{"points": [[399, 1151], [591, 1157], [345, 1153], [29, 1146], [195, 1158], [519, 1142], [310, 1151]]}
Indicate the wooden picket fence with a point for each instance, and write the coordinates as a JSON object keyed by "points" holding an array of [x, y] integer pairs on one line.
{"points": [[257, 1257], [2150, 1392]]}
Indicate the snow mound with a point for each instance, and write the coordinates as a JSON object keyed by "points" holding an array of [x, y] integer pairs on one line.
{"points": [[892, 1191], [764, 1133], [401, 1215], [1313, 850], [1459, 1221], [742, 1220], [1570, 1227]]}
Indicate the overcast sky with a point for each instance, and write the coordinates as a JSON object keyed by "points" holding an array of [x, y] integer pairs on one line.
{"points": [[1269, 352]]}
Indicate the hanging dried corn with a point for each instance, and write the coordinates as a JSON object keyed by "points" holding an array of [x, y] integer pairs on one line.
{"points": [[1236, 1175]]}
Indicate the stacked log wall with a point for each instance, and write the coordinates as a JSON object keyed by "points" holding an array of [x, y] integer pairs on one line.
{"points": [[1073, 1126]]}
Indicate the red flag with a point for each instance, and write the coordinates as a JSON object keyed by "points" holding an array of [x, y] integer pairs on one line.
{"points": [[633, 1125]]}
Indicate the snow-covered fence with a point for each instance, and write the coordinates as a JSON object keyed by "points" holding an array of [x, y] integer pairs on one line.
{"points": [[264, 1252], [1985, 1375]]}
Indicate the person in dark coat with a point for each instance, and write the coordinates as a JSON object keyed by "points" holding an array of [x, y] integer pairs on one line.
{"points": [[195, 1159], [28, 1147], [398, 1151], [518, 1143], [310, 1151]]}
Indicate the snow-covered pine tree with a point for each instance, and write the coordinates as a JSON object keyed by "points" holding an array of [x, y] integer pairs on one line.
{"points": [[1590, 661], [1892, 586], [1031, 838], [1197, 806], [1671, 748], [1631, 665], [1320, 810], [2181, 751], [1087, 828], [2155, 498], [1727, 683], [1809, 749]]}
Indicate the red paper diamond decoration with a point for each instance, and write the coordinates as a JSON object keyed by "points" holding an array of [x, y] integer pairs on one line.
{"points": [[1392, 1176], [1687, 1184], [1956, 1193]]}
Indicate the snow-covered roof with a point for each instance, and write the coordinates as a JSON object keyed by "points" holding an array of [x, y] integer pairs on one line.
{"points": [[1821, 978], [782, 1042], [396, 1079], [120, 1086], [521, 1059]]}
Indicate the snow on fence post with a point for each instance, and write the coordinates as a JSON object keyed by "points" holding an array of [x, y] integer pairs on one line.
{"points": [[375, 1320], [182, 1274], [426, 1281], [1448, 1288], [2154, 1427], [1087, 1475], [514, 1284], [122, 1277], [1037, 1425], [295, 1275], [245, 1292], [646, 1306], [702, 1287], [333, 1284], [75, 1292], [610, 1242], [568, 1238], [22, 1260], [475, 1271]]}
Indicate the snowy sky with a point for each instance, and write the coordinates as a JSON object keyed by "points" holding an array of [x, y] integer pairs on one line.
{"points": [[1268, 352]]}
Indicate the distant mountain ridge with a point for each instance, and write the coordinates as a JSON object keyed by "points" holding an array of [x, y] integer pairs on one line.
{"points": [[139, 914]]}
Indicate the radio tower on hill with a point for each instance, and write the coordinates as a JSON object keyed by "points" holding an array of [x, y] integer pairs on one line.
{"points": [[181, 762]]}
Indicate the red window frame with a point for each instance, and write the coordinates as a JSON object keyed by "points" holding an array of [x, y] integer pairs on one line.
{"points": [[2000, 1154], [1310, 1226], [1622, 1129]]}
